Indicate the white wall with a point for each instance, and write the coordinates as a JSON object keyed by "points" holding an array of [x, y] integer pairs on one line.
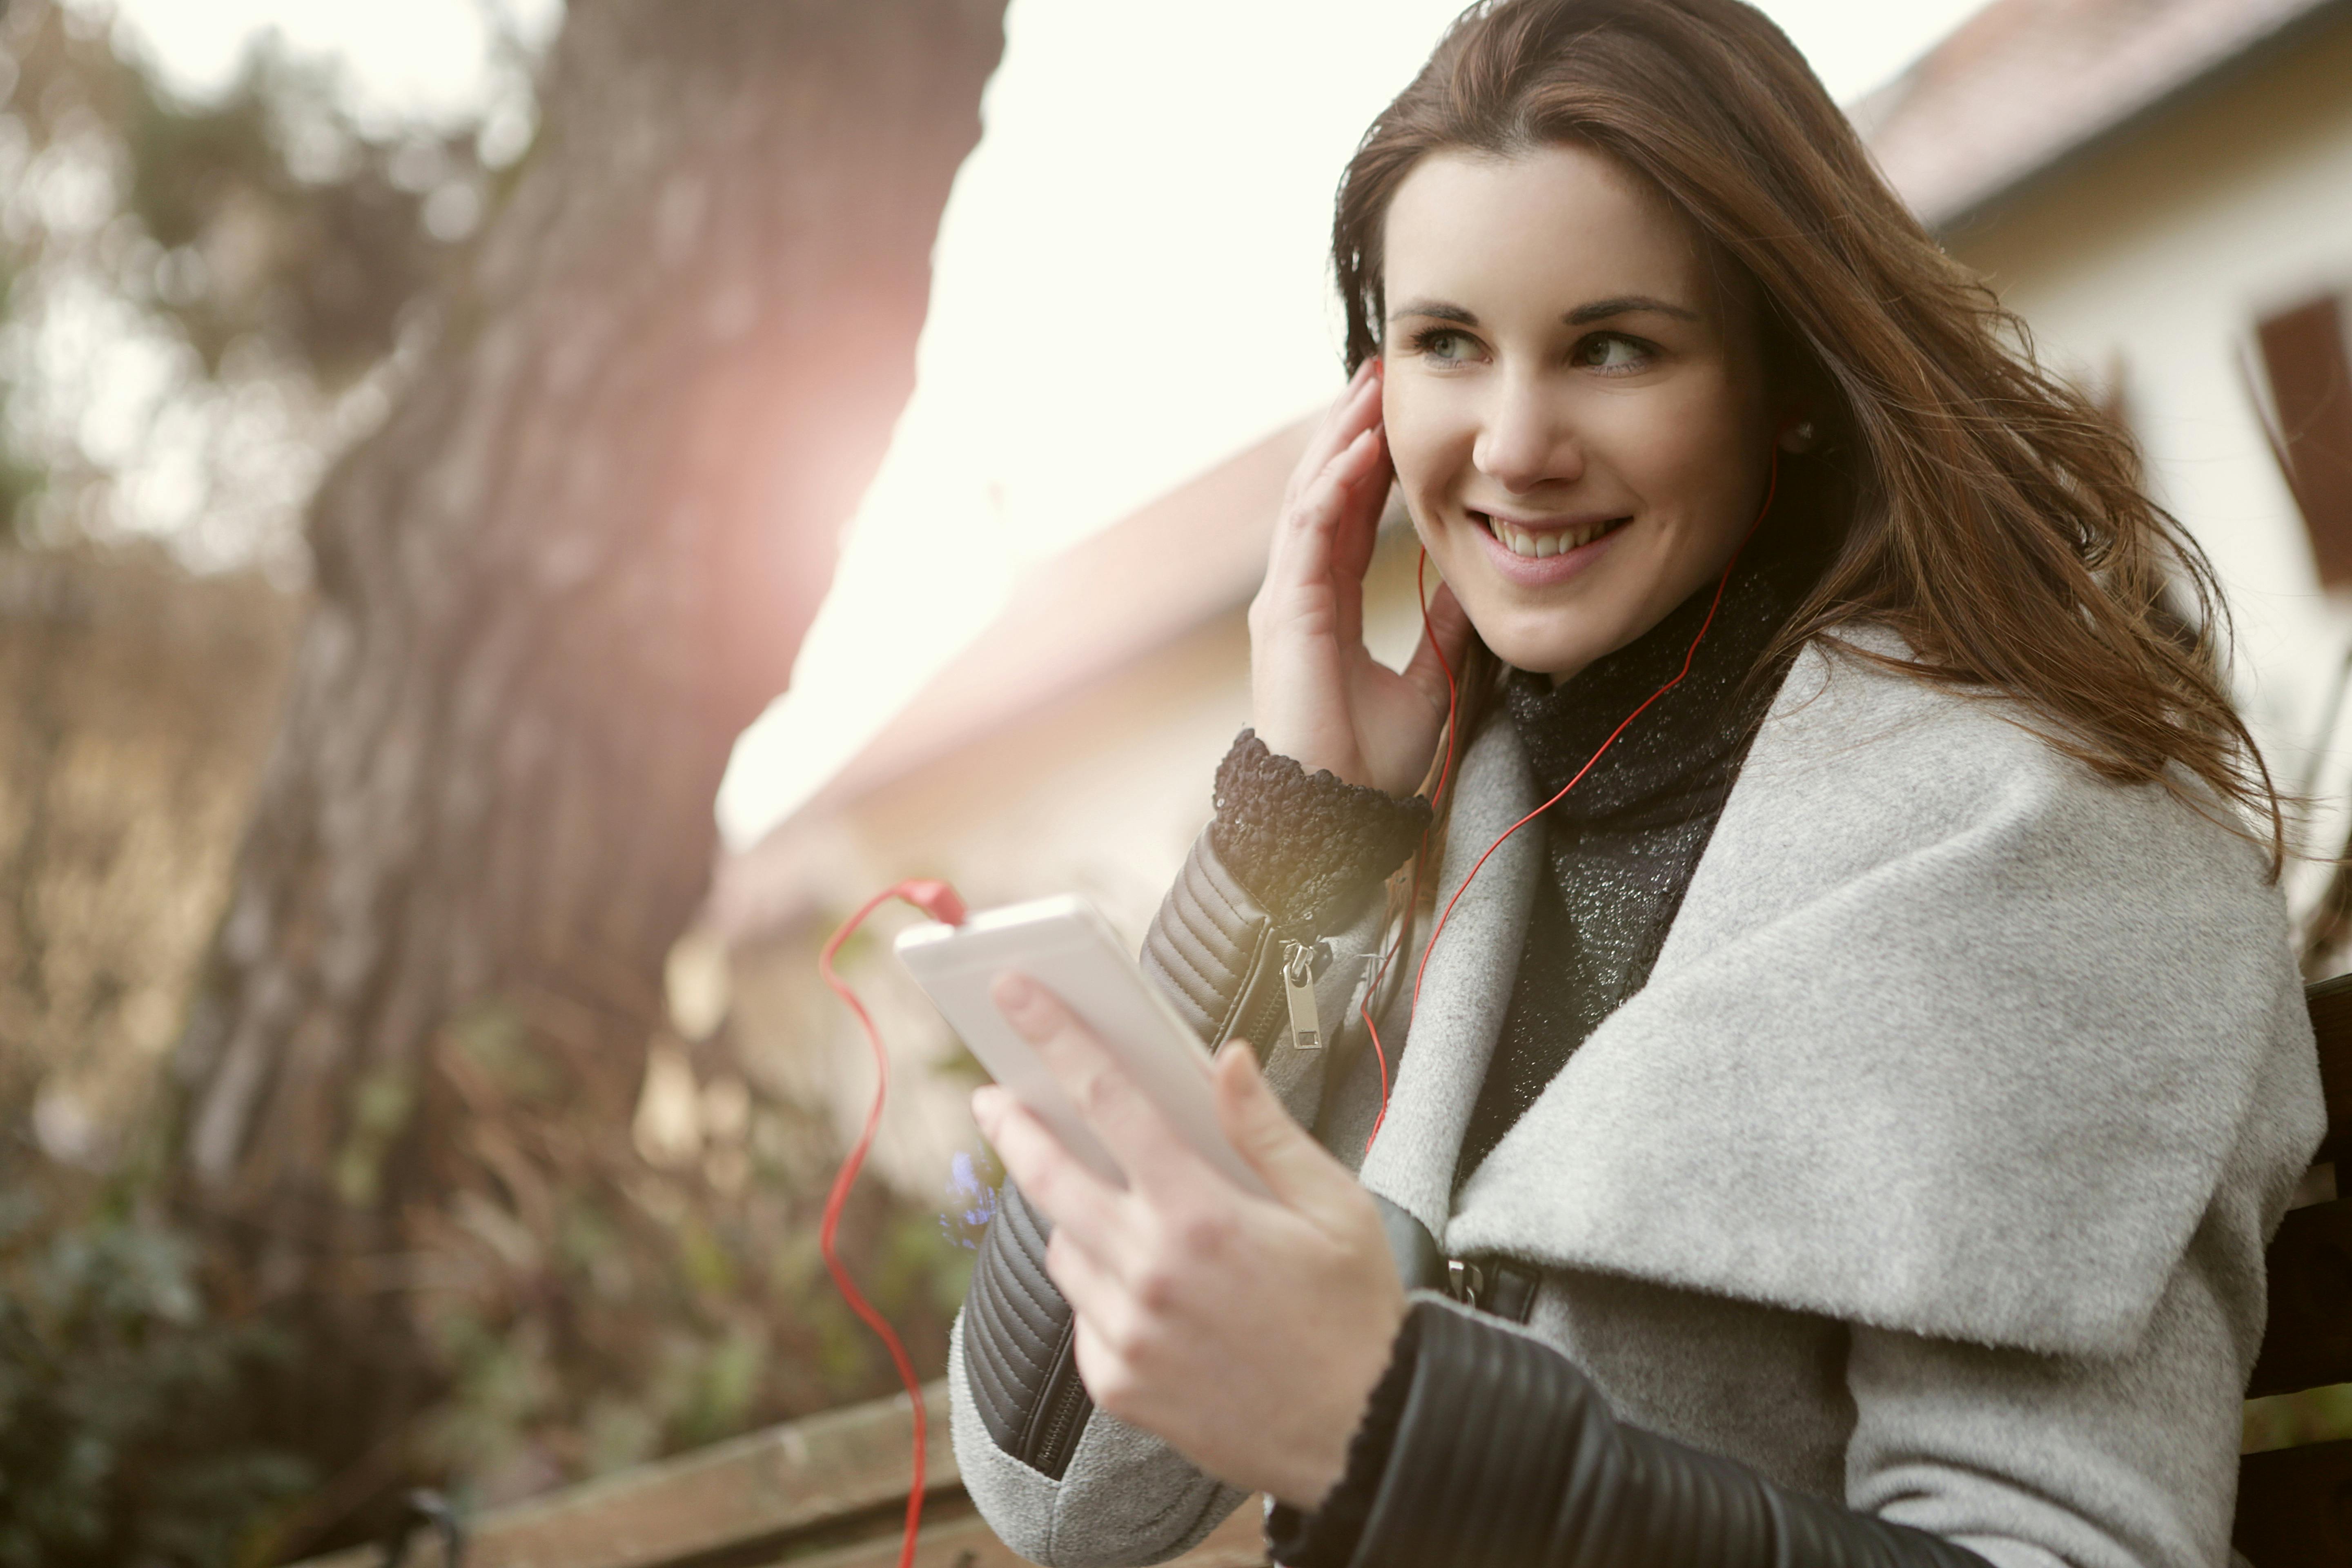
{"points": [[2158, 255]]}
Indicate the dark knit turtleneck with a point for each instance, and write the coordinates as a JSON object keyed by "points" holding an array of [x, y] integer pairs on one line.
{"points": [[1623, 842]]}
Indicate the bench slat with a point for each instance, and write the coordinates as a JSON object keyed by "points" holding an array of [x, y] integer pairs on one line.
{"points": [[2308, 1340], [2294, 1507], [827, 1492], [964, 1540]]}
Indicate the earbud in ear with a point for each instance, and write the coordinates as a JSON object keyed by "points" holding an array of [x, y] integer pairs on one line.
{"points": [[1798, 436]]}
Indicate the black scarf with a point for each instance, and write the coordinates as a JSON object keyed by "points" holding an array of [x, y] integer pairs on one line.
{"points": [[1623, 842]]}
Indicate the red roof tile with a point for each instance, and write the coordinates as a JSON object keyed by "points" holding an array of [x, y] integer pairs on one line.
{"points": [[2023, 83]]}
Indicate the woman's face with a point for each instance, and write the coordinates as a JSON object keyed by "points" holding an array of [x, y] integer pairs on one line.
{"points": [[1574, 399]]}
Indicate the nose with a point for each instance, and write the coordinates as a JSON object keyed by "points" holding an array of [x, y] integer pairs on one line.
{"points": [[1525, 439]]}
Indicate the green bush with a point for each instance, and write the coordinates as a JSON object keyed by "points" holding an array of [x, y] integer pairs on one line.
{"points": [[121, 1442]]}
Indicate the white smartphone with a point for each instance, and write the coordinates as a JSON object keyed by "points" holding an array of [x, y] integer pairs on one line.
{"points": [[1066, 945]]}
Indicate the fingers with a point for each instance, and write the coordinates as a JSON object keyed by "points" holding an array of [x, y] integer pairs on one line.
{"points": [[1336, 457], [1340, 425], [1091, 1287], [1109, 1382], [1048, 1175], [1300, 1171], [1359, 522], [1341, 502], [1148, 1148], [1324, 500], [1443, 646]]}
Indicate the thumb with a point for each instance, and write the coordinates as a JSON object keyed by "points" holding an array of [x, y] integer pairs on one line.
{"points": [[1445, 640], [1301, 1172]]}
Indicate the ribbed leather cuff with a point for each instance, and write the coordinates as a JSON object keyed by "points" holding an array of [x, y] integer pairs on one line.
{"points": [[1018, 1356], [1488, 1423], [1307, 845], [1484, 1448]]}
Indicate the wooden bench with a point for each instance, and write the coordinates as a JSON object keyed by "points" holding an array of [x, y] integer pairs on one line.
{"points": [[826, 1492], [2295, 1505], [829, 1491]]}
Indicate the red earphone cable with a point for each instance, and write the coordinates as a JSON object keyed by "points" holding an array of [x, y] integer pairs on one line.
{"points": [[1421, 852], [940, 902], [1771, 488]]}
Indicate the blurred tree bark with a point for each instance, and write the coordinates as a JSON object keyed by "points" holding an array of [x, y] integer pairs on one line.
{"points": [[573, 562]]}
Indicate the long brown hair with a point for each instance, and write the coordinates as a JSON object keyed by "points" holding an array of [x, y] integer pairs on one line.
{"points": [[1991, 514]]}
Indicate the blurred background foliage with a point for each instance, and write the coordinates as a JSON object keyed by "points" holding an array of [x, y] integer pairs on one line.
{"points": [[124, 1436], [199, 292], [204, 302]]}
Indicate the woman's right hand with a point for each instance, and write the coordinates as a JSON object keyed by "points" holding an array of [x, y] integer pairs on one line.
{"points": [[1316, 695]]}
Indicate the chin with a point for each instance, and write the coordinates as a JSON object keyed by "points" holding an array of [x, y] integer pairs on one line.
{"points": [[1541, 654]]}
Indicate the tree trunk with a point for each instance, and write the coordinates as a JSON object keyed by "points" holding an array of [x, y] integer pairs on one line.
{"points": [[573, 564]]}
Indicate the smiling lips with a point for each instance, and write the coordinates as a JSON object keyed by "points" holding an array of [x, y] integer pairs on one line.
{"points": [[1539, 543]]}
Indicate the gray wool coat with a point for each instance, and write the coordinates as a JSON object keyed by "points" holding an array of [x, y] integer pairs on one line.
{"points": [[1930, 1171]]}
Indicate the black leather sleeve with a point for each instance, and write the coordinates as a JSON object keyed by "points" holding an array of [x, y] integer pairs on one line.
{"points": [[1310, 843], [1018, 1359], [1483, 1447], [1209, 942]]}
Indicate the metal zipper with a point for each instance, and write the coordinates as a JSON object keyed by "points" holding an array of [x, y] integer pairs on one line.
{"points": [[1063, 1410], [1263, 1020], [1299, 990]]}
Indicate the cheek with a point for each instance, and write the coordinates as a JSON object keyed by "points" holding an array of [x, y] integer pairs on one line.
{"points": [[1428, 441], [1688, 455]]}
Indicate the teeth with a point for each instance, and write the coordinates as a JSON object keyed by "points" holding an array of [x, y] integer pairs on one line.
{"points": [[1551, 541]]}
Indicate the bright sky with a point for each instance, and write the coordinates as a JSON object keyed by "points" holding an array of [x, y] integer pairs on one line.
{"points": [[429, 58], [1129, 283]]}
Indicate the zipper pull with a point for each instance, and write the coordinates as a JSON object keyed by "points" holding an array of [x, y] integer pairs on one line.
{"points": [[1298, 985]]}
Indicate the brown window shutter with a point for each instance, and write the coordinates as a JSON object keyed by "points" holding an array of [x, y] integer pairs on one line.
{"points": [[2310, 392]]}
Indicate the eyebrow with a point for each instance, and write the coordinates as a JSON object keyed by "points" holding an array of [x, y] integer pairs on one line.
{"points": [[1583, 315], [1629, 305]]}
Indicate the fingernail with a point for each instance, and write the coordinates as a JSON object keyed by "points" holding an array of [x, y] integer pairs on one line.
{"points": [[1015, 991]]}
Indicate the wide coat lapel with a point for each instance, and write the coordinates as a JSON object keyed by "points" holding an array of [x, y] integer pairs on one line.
{"points": [[1949, 1037], [1466, 989]]}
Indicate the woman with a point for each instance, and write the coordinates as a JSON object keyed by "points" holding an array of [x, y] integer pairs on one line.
{"points": [[1843, 1121]]}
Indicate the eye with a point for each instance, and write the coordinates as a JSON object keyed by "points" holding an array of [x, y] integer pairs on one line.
{"points": [[1445, 345], [1612, 351]]}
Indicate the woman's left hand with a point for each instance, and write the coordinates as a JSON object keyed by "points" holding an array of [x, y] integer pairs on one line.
{"points": [[1245, 1332]]}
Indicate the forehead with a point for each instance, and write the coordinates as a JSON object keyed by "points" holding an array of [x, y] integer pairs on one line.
{"points": [[1550, 228]]}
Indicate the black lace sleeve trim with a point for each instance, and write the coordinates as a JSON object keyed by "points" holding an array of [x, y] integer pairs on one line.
{"points": [[1307, 845]]}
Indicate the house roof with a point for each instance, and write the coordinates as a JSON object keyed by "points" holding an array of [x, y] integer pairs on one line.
{"points": [[2025, 85]]}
